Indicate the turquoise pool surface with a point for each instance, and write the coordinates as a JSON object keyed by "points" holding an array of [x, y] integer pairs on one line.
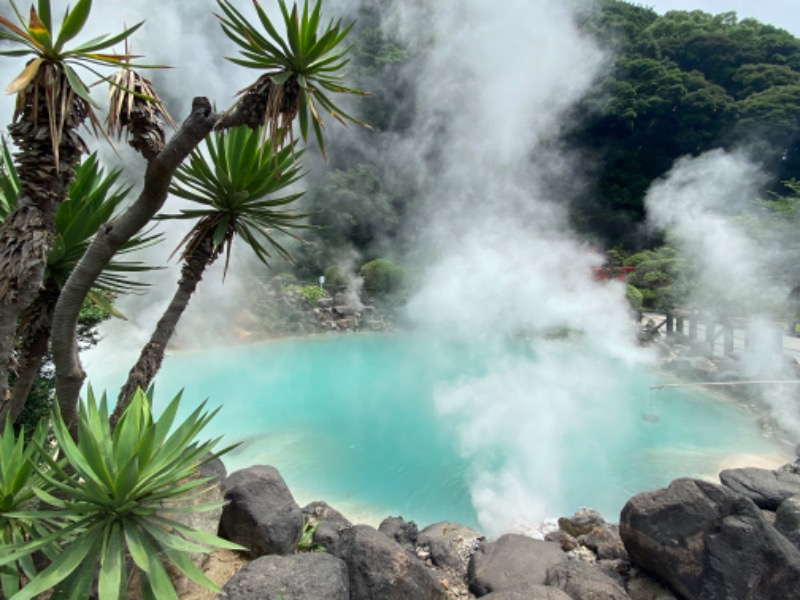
{"points": [[431, 430]]}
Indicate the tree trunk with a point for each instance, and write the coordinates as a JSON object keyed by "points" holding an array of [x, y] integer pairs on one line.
{"points": [[33, 337], [26, 234], [149, 363], [111, 237]]}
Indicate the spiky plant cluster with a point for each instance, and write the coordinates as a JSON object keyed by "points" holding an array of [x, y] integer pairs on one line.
{"points": [[299, 73], [48, 89], [136, 112], [234, 187]]}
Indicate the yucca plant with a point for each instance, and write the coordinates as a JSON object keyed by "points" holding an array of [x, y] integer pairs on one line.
{"points": [[235, 185], [300, 71], [94, 198], [52, 101], [20, 518], [51, 68], [116, 494]]}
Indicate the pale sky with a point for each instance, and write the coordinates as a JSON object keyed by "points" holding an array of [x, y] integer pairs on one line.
{"points": [[782, 13]]}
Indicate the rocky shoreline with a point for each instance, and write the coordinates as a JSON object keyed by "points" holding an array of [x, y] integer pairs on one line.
{"points": [[697, 540]]}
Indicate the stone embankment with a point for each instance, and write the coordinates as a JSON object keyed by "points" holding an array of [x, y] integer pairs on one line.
{"points": [[738, 539]]}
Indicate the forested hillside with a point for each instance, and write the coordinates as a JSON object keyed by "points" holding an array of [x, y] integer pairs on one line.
{"points": [[674, 85]]}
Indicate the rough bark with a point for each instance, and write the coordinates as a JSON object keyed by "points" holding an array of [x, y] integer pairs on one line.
{"points": [[112, 236], [109, 239], [26, 234], [152, 355], [33, 338]]}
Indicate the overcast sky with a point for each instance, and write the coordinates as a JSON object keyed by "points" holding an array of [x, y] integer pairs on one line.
{"points": [[783, 13]]}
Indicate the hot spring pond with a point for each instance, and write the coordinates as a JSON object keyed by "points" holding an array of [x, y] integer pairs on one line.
{"points": [[380, 425]]}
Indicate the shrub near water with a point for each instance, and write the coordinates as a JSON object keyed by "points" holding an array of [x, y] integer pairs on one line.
{"points": [[310, 293], [382, 276], [119, 487], [335, 277]]}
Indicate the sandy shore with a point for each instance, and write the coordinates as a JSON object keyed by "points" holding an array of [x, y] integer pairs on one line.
{"points": [[761, 461]]}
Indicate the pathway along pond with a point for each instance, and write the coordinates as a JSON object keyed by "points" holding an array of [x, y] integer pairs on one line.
{"points": [[430, 430]]}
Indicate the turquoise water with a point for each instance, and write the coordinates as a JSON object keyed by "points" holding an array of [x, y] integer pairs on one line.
{"points": [[380, 425]]}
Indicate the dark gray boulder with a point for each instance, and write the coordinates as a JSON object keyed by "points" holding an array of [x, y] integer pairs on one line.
{"points": [[329, 524], [528, 592], [787, 519], [379, 567], [511, 561], [401, 531], [581, 581], [450, 544], [764, 487], [261, 513], [312, 576], [709, 543]]}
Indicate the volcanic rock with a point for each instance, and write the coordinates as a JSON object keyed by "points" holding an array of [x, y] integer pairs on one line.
{"points": [[450, 544], [581, 581], [379, 567], [511, 561], [261, 513], [312, 575], [709, 543], [768, 489]]}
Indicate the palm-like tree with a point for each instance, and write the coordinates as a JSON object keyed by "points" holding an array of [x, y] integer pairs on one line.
{"points": [[234, 186], [94, 197], [300, 74], [52, 102]]}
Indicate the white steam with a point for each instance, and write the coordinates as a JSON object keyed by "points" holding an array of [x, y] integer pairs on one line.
{"points": [[700, 203], [499, 260]]}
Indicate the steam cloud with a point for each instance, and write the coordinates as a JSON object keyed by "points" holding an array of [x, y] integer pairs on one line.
{"points": [[499, 258], [700, 203]]}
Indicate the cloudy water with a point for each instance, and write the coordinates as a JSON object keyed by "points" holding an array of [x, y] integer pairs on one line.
{"points": [[375, 425]]}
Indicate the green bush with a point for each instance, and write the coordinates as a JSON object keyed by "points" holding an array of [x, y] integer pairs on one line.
{"points": [[635, 259], [649, 297], [335, 277], [117, 492], [382, 276], [634, 296], [310, 293]]}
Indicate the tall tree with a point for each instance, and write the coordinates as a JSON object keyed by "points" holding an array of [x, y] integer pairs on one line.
{"points": [[93, 198], [234, 186], [52, 102]]}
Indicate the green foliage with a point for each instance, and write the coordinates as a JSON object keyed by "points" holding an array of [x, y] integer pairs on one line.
{"points": [[683, 83], [634, 296], [662, 276], [51, 64], [306, 543], [310, 293], [334, 276], [382, 276], [300, 71], [20, 519], [233, 186], [94, 198], [116, 491]]}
